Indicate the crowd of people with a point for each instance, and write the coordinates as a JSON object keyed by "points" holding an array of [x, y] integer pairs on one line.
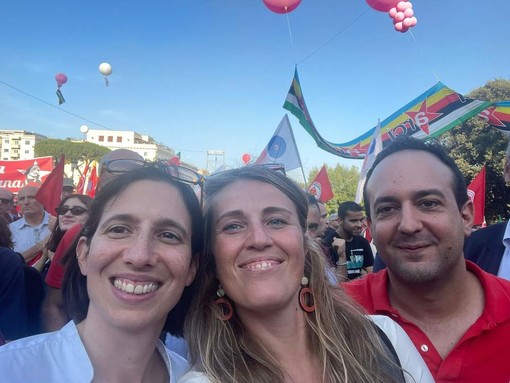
{"points": [[250, 280]]}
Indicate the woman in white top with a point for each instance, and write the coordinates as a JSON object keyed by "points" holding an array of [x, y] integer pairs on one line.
{"points": [[265, 312], [130, 279]]}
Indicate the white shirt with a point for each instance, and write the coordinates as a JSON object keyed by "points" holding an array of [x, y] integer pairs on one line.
{"points": [[415, 369], [504, 266], [60, 357], [24, 236]]}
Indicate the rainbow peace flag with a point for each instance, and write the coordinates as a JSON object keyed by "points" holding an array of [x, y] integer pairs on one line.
{"points": [[428, 115]]}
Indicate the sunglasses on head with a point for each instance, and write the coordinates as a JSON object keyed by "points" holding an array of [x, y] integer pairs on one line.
{"points": [[76, 210]]}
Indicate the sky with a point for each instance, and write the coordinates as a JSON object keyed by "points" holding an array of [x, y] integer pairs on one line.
{"points": [[213, 74]]}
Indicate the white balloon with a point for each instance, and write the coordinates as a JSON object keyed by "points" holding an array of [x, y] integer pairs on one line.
{"points": [[84, 128], [105, 69]]}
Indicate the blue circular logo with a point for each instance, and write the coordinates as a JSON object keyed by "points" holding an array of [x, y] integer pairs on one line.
{"points": [[276, 147]]}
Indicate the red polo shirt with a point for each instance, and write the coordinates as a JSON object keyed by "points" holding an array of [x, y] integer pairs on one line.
{"points": [[481, 355]]}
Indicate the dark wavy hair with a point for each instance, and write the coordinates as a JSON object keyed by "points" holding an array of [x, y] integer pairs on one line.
{"points": [[74, 288], [57, 233], [5, 234]]}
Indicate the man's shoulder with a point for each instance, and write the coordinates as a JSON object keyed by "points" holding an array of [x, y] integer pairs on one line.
{"points": [[488, 231], [16, 225], [369, 291]]}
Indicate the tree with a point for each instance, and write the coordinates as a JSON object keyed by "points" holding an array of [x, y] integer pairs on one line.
{"points": [[344, 181], [474, 143], [73, 151]]}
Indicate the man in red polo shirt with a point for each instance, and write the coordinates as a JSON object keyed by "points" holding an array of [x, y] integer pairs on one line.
{"points": [[457, 315]]}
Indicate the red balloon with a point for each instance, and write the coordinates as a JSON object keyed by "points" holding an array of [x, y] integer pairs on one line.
{"points": [[61, 79], [246, 158], [382, 5], [282, 6]]}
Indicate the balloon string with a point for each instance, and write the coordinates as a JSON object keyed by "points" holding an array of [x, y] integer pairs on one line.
{"points": [[106, 81], [290, 37], [334, 37], [424, 55]]}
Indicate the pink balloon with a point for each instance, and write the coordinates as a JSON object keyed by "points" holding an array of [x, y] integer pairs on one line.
{"points": [[399, 26], [399, 16], [282, 6], [407, 22], [61, 79], [414, 21], [246, 158], [382, 5], [404, 29], [393, 12], [401, 6], [408, 12], [409, 4]]}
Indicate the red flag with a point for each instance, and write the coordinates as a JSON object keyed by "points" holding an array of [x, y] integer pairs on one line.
{"points": [[50, 192], [81, 182], [321, 187], [92, 184], [476, 192]]}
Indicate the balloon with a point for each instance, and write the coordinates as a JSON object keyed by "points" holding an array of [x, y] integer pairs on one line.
{"points": [[106, 69], [408, 12], [61, 79], [392, 12], [246, 158], [399, 26], [282, 6], [382, 5], [414, 21], [399, 16], [402, 6]]}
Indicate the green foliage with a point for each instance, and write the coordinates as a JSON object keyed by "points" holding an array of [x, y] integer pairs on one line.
{"points": [[344, 182], [73, 151], [474, 143]]}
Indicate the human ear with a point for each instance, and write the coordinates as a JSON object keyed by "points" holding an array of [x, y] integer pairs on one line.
{"points": [[192, 271], [82, 252], [467, 213]]}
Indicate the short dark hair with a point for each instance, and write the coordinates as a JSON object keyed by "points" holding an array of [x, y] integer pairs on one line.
{"points": [[74, 287], [348, 206], [312, 200], [430, 146], [5, 234]]}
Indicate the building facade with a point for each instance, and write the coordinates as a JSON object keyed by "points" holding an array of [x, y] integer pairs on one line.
{"points": [[18, 144], [144, 145]]}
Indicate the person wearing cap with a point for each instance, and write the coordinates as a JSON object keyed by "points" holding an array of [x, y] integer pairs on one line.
{"points": [[68, 187]]}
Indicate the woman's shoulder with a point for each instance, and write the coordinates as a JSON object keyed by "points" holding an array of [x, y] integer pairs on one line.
{"points": [[194, 377], [57, 356]]}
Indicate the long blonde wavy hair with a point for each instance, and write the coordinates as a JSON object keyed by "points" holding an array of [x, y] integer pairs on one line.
{"points": [[338, 334]]}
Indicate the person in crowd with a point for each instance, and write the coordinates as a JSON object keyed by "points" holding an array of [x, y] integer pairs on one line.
{"points": [[348, 250], [314, 227], [131, 278], [324, 215], [67, 187], [31, 232], [264, 311], [6, 202], [13, 307], [54, 316], [457, 315], [72, 211], [489, 247]]}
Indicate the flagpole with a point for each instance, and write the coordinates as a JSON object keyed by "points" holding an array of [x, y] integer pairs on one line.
{"points": [[297, 150], [304, 177]]}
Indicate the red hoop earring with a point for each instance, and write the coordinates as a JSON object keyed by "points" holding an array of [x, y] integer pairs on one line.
{"points": [[226, 309], [303, 300]]}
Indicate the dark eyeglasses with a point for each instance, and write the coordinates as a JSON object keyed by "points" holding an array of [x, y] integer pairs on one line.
{"points": [[179, 173], [5, 201], [76, 210]]}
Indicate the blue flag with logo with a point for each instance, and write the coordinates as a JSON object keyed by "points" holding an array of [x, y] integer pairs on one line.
{"points": [[281, 148]]}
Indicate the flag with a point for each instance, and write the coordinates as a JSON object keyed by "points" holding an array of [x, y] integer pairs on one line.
{"points": [[90, 190], [476, 193], [175, 160], [373, 150], [321, 187], [281, 148], [50, 192], [83, 178], [429, 115], [61, 99]]}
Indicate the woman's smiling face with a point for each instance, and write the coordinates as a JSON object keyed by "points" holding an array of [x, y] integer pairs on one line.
{"points": [[139, 259], [258, 245]]}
